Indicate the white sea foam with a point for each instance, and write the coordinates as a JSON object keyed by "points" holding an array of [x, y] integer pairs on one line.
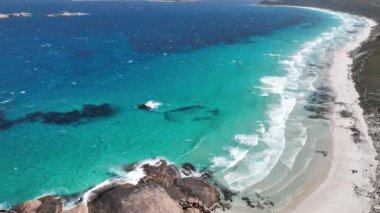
{"points": [[4, 206], [69, 204], [261, 127], [294, 146], [6, 101], [273, 54], [153, 104], [251, 140], [235, 155], [273, 84]]}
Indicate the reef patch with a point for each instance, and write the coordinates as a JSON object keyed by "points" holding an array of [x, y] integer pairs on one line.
{"points": [[89, 111]]}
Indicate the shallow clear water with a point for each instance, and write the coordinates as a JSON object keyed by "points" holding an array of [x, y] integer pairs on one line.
{"points": [[227, 64]]}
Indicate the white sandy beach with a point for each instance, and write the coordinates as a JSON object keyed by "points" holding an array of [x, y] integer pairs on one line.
{"points": [[344, 190]]}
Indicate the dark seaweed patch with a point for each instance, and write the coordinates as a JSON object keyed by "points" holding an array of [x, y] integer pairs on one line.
{"points": [[33, 117], [320, 112], [61, 118], [94, 111], [356, 134], [227, 194], [88, 111], [4, 123], [320, 102], [320, 98], [190, 113]]}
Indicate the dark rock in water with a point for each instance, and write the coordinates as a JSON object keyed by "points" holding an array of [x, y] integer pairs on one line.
{"points": [[143, 107], [206, 175], [188, 166], [95, 111], [62, 117], [129, 167]]}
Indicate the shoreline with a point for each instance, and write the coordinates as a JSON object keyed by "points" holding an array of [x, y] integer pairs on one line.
{"points": [[348, 183], [346, 93]]}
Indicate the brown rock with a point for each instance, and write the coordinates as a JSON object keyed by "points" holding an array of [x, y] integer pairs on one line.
{"points": [[198, 188], [162, 174], [192, 210], [50, 204], [143, 198], [30, 206], [80, 208]]}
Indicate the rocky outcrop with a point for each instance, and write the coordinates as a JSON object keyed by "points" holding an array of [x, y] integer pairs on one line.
{"points": [[181, 189], [46, 204], [50, 204], [142, 198], [30, 206], [163, 189]]}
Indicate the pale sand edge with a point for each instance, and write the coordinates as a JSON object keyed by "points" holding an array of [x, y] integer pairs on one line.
{"points": [[337, 192]]}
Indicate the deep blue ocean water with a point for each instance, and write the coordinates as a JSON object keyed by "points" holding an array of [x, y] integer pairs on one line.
{"points": [[214, 66]]}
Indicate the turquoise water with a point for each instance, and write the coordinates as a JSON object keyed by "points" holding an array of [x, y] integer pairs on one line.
{"points": [[229, 71]]}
